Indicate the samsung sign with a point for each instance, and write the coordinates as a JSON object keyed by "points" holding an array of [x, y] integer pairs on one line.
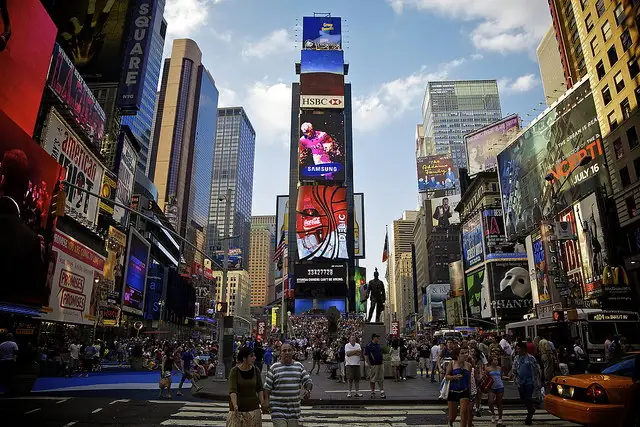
{"points": [[321, 101], [136, 53]]}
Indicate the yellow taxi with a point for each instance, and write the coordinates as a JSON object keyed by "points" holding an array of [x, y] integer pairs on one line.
{"points": [[610, 398]]}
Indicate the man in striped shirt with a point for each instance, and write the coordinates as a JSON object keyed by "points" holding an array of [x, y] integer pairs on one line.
{"points": [[285, 380]]}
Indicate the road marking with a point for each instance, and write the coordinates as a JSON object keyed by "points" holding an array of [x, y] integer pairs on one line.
{"points": [[37, 398], [166, 401], [95, 411], [32, 411], [63, 400], [120, 401], [69, 424]]}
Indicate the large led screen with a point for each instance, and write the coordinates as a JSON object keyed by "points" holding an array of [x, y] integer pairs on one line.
{"points": [[135, 274], [437, 176], [360, 281], [321, 151], [321, 222], [553, 146], [322, 84], [27, 35], [358, 226], [472, 247], [322, 32], [321, 280], [322, 61], [484, 144], [443, 211]]}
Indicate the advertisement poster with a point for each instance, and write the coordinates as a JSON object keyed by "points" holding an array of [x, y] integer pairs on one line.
{"points": [[553, 146], [128, 159], [97, 62], [282, 232], [18, 151], [153, 297], [321, 222], [437, 176], [395, 329], [531, 265], [322, 61], [435, 306], [593, 248], [360, 280], [493, 228], [74, 269], [24, 60], [455, 311], [472, 249], [510, 289], [321, 152], [483, 145], [83, 168], [322, 33], [358, 225], [116, 245], [327, 84], [135, 273], [474, 289], [456, 277], [320, 280], [443, 211], [234, 259], [571, 262]]}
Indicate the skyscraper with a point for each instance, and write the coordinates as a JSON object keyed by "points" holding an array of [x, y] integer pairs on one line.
{"points": [[401, 259], [260, 264], [232, 170], [551, 71], [183, 143], [452, 109]]}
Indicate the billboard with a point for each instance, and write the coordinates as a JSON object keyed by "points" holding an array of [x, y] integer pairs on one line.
{"points": [[484, 144], [282, 230], [443, 211], [126, 161], [360, 280], [472, 247], [234, 260], [455, 311], [321, 101], [321, 151], [473, 292], [510, 290], [592, 245], [92, 33], [320, 280], [74, 271], [322, 61], [324, 33], [435, 309], [552, 146], [327, 84], [456, 277], [358, 225], [78, 100], [153, 297], [83, 167], [116, 246], [135, 274], [25, 54], [436, 176], [321, 222], [135, 55]]}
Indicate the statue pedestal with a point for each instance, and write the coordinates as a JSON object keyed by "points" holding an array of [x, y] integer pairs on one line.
{"points": [[374, 328]]}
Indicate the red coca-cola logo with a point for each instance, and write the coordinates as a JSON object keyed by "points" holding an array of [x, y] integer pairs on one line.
{"points": [[309, 223]]}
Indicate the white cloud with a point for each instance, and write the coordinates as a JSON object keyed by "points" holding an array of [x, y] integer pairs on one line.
{"points": [[502, 25], [228, 97], [522, 84], [269, 109], [224, 36], [477, 56], [184, 17], [277, 41]]}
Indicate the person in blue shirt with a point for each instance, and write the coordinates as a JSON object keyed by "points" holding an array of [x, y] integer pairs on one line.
{"points": [[373, 354], [528, 379], [186, 362]]}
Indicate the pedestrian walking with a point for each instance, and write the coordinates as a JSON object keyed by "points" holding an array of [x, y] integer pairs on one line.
{"points": [[527, 375], [353, 353], [341, 356], [496, 391], [186, 363], [166, 367], [434, 357], [373, 354], [317, 356], [246, 392], [458, 374], [423, 359], [395, 360], [285, 380]]}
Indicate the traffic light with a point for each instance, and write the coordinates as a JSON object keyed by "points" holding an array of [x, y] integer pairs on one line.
{"points": [[59, 203]]}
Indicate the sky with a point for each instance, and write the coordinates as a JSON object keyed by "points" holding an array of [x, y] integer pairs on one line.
{"points": [[394, 47]]}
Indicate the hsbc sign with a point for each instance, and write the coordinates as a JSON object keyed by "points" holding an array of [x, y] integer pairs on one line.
{"points": [[321, 101]]}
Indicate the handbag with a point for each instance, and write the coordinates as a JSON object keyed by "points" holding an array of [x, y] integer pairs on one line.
{"points": [[444, 389], [486, 382]]}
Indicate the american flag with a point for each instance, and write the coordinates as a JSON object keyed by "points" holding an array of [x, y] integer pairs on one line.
{"points": [[279, 251]]}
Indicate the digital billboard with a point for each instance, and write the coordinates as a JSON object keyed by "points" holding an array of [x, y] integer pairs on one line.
{"points": [[116, 246], [27, 35], [321, 222], [234, 260], [510, 290], [360, 280], [323, 33], [456, 278], [153, 297], [327, 84], [472, 247], [437, 176], [436, 296], [552, 146], [358, 225], [443, 211], [321, 101], [455, 311], [484, 144], [321, 151], [127, 159], [320, 280], [92, 33], [135, 276], [475, 284], [36, 174], [281, 232], [322, 61]]}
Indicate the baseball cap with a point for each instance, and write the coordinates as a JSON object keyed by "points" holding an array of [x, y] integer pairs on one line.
{"points": [[375, 336]]}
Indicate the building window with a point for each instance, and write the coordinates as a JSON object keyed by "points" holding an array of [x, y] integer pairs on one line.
{"points": [[618, 148], [619, 81], [588, 22], [636, 166], [625, 38], [606, 31], [606, 95], [583, 3], [600, 69], [613, 55], [626, 109], [619, 12], [632, 137], [595, 47], [625, 179], [613, 121], [600, 7], [633, 67], [632, 209]]}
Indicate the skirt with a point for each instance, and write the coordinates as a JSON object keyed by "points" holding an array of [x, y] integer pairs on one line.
{"points": [[245, 419]]}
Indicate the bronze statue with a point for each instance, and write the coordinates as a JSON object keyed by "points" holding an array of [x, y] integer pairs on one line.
{"points": [[377, 296]]}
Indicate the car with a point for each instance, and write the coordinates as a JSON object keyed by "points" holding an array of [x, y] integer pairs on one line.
{"points": [[601, 399]]}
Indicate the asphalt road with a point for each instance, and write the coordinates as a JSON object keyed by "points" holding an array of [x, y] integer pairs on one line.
{"points": [[61, 411]]}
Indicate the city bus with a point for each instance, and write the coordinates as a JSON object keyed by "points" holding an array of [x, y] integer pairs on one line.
{"points": [[592, 328]]}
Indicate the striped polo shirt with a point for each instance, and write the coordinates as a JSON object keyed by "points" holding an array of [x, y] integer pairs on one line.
{"points": [[285, 383]]}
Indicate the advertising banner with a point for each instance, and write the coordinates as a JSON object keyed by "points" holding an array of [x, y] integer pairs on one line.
{"points": [[322, 61], [155, 283], [473, 292], [99, 56], [510, 289], [135, 55], [531, 265], [261, 331], [282, 232], [456, 277], [321, 101], [360, 280], [553, 146], [320, 280], [593, 248], [127, 161], [358, 225], [443, 211], [395, 329], [321, 152], [484, 144], [116, 245], [108, 191], [321, 222], [493, 228], [83, 168], [24, 59], [74, 269], [571, 261], [322, 33], [437, 176], [234, 258], [327, 84], [472, 249], [75, 95], [436, 296], [455, 311], [135, 273]]}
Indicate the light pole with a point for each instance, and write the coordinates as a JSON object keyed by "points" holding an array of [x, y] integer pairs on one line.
{"points": [[221, 371]]}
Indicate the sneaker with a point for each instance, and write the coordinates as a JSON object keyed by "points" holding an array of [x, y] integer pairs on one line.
{"points": [[349, 395], [382, 395], [179, 393], [358, 394], [373, 395], [493, 419]]}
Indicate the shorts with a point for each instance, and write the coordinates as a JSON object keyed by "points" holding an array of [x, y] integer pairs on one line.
{"points": [[376, 373], [497, 390], [395, 363], [456, 395], [341, 369], [423, 363], [353, 372], [526, 392]]}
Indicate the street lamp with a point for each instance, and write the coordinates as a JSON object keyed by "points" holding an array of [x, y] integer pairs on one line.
{"points": [[221, 371]]}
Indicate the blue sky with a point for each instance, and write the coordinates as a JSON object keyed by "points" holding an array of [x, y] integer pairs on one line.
{"points": [[394, 47]]}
